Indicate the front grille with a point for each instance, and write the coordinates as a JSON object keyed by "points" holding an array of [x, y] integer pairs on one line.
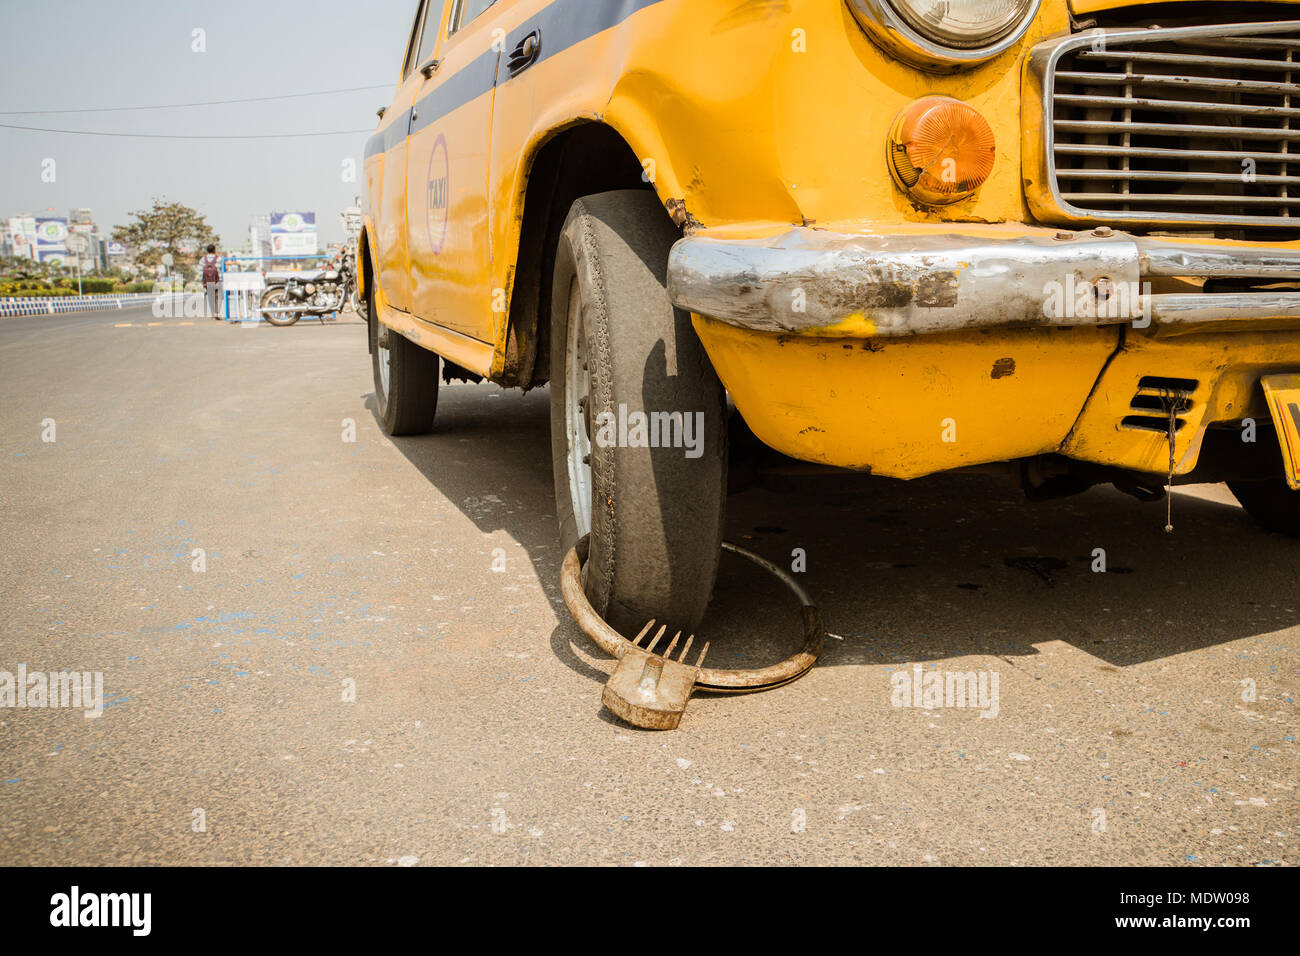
{"points": [[1179, 127]]}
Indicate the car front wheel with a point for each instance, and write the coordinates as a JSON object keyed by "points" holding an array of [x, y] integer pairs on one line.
{"points": [[638, 428]]}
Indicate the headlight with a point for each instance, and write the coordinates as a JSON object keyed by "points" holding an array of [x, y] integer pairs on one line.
{"points": [[945, 34], [963, 23]]}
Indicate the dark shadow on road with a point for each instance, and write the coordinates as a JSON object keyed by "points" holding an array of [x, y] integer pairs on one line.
{"points": [[931, 569]]}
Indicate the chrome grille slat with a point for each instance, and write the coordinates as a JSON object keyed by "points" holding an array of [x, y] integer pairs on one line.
{"points": [[1184, 126], [1248, 43], [1220, 62], [1184, 197], [1177, 129], [1151, 152], [1183, 82], [1171, 176], [1173, 106]]}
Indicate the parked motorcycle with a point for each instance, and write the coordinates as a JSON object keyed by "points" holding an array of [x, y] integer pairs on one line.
{"points": [[287, 300]]}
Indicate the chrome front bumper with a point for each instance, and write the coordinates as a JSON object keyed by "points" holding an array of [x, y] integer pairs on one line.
{"points": [[814, 282]]}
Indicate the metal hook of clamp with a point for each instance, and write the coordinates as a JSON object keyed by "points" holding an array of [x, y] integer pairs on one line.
{"points": [[649, 690]]}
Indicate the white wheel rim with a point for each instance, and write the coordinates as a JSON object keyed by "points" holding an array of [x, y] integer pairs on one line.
{"points": [[577, 406], [385, 357]]}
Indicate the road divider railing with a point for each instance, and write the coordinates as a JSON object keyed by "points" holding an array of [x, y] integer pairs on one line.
{"points": [[57, 305]]}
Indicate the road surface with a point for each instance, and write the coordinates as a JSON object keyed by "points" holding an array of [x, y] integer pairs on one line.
{"points": [[323, 650]]}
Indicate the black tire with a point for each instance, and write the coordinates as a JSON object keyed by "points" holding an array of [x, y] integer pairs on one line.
{"points": [[1271, 503], [656, 515], [277, 298], [409, 403]]}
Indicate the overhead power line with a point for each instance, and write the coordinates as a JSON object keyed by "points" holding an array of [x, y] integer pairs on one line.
{"points": [[91, 132], [178, 106]]}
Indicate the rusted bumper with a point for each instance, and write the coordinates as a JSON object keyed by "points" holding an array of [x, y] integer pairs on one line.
{"points": [[814, 282]]}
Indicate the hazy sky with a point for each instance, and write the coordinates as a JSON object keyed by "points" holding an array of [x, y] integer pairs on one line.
{"points": [[69, 54]]}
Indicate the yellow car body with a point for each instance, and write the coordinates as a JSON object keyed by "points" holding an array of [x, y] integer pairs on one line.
{"points": [[762, 126]]}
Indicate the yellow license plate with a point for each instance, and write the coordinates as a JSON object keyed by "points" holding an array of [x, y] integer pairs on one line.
{"points": [[1283, 393]]}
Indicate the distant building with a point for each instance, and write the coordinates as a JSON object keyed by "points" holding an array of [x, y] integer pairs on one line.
{"points": [[350, 220], [259, 236], [83, 221]]}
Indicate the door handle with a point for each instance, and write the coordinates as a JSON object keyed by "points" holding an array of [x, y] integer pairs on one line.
{"points": [[430, 68], [525, 53]]}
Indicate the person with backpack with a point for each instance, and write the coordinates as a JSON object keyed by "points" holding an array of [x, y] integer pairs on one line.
{"points": [[212, 279]]}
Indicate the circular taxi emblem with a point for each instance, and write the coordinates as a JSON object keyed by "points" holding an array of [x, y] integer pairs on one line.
{"points": [[437, 199]]}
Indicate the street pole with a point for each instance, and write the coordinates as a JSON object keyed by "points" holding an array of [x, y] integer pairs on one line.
{"points": [[77, 245]]}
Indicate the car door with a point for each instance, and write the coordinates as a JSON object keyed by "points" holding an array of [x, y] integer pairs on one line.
{"points": [[447, 173], [391, 140]]}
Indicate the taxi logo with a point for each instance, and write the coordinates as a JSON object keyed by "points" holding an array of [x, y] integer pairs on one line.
{"points": [[437, 199]]}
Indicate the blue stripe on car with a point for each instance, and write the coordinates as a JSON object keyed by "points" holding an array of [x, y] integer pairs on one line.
{"points": [[563, 24]]}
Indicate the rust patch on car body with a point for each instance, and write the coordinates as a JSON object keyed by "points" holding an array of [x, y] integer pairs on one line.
{"points": [[1004, 367], [937, 290], [681, 217]]}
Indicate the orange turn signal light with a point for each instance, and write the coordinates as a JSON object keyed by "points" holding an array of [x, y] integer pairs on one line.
{"points": [[940, 150]]}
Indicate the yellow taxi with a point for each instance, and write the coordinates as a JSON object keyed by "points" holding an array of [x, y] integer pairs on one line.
{"points": [[897, 236]]}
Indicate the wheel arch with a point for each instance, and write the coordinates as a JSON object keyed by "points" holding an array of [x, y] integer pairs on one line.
{"points": [[581, 157]]}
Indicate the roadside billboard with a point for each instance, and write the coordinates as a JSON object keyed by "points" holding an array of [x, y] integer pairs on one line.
{"points": [[51, 240], [22, 236], [293, 234]]}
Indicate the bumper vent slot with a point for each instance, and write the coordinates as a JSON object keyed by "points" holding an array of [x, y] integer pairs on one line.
{"points": [[1155, 396]]}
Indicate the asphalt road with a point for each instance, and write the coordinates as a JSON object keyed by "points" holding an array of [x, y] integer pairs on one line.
{"points": [[1125, 730]]}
